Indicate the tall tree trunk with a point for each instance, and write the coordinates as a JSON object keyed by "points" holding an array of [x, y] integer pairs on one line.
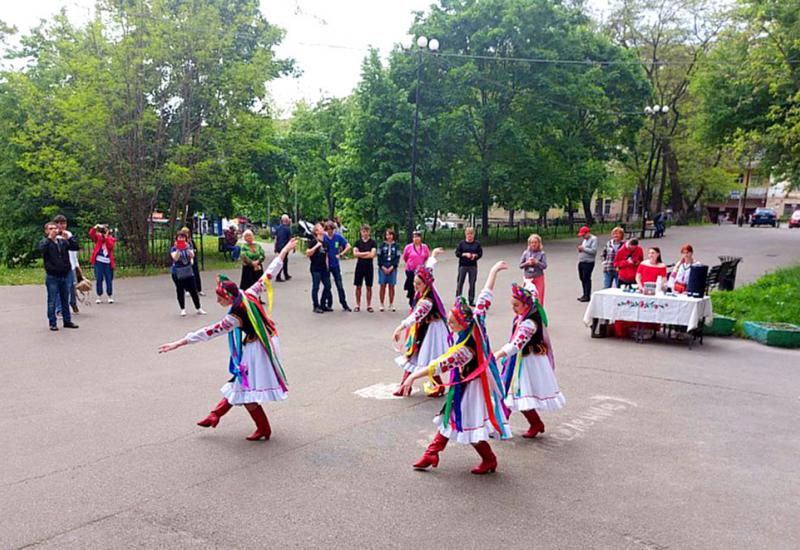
{"points": [[484, 199], [677, 203], [587, 210], [661, 187], [511, 217]]}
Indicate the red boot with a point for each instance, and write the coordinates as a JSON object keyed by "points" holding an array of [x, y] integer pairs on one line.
{"points": [[213, 417], [488, 460], [537, 426], [400, 391], [262, 424], [431, 455]]}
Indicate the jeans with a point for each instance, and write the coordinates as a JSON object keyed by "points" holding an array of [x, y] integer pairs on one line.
{"points": [[323, 277], [585, 274], [73, 294], [337, 278], [464, 272], [57, 292], [235, 250], [610, 279], [103, 272]]}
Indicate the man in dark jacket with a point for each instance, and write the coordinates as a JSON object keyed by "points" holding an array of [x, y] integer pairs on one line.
{"points": [[55, 249], [469, 251], [282, 236]]}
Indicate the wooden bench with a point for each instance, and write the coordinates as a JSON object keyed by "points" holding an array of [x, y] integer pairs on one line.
{"points": [[649, 231]]}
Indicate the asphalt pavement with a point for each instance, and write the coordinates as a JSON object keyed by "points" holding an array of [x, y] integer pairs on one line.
{"points": [[658, 447]]}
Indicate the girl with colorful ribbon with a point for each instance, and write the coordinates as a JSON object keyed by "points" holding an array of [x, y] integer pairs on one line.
{"points": [[474, 409], [255, 356], [426, 334], [528, 363]]}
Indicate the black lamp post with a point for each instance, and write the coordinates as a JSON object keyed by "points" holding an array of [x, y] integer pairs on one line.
{"points": [[421, 43]]}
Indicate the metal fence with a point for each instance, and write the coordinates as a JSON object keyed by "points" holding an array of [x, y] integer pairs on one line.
{"points": [[159, 243]]}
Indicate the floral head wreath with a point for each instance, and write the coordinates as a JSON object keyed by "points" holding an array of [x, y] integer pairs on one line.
{"points": [[425, 274], [524, 295], [462, 312], [226, 288]]}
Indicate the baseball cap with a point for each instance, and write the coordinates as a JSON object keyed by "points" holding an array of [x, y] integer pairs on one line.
{"points": [[583, 231]]}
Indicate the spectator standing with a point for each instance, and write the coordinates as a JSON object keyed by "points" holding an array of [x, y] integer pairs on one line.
{"points": [[610, 273], [468, 251], [587, 252], [61, 223], [627, 260], [337, 247], [533, 262], [103, 260], [318, 260], [198, 282], [365, 250], [183, 275], [55, 254], [415, 254], [252, 260], [388, 261], [282, 237], [231, 242]]}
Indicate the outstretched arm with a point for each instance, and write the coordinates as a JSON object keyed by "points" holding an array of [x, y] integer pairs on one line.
{"points": [[224, 326], [274, 267], [486, 295], [455, 361]]}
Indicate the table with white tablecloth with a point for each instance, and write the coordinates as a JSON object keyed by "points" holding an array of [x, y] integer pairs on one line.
{"points": [[614, 304]]}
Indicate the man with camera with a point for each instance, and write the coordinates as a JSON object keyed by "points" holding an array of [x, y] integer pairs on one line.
{"points": [[61, 222], [55, 249]]}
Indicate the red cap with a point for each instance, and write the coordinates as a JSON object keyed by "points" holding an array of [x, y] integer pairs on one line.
{"points": [[583, 231]]}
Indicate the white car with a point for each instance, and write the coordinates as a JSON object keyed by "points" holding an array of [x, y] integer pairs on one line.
{"points": [[440, 224]]}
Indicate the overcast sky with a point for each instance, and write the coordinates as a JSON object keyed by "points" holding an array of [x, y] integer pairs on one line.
{"points": [[312, 28]]}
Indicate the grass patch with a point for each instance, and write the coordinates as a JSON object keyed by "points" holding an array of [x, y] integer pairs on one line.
{"points": [[774, 298]]}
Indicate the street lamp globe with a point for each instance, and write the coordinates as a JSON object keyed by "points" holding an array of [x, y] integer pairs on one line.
{"points": [[406, 42], [648, 110], [656, 109], [433, 45], [665, 109], [422, 42]]}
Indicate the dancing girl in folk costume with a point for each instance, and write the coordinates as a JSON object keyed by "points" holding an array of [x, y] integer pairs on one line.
{"points": [[426, 334], [255, 363], [473, 409], [528, 363]]}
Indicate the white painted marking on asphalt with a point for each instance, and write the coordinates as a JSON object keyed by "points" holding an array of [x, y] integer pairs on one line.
{"points": [[605, 407], [379, 391]]}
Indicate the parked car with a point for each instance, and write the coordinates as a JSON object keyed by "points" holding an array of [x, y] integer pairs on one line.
{"points": [[794, 220], [764, 216], [440, 224]]}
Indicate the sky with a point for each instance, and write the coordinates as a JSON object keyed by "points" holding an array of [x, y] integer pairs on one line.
{"points": [[328, 39]]}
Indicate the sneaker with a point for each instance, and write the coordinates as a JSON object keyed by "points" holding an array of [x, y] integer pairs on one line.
{"points": [[98, 301], [393, 308], [201, 293], [110, 300], [183, 313], [346, 309], [584, 299], [53, 328], [318, 310], [326, 308], [288, 277], [201, 311], [381, 308], [70, 325]]}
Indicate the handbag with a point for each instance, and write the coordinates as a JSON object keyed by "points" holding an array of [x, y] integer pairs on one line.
{"points": [[183, 270]]}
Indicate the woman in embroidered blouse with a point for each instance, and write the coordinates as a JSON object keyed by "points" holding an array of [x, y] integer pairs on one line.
{"points": [[426, 334], [255, 361], [528, 365], [679, 278], [473, 411], [252, 260]]}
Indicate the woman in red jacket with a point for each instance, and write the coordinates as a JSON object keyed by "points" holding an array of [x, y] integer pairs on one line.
{"points": [[627, 261], [103, 260]]}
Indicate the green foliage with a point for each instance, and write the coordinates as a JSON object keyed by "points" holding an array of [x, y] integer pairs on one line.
{"points": [[774, 298]]}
